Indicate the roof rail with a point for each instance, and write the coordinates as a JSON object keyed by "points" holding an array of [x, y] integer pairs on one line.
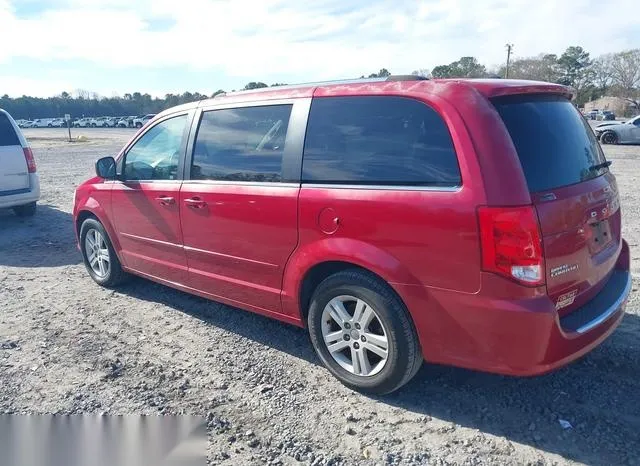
{"points": [[406, 77], [309, 84]]}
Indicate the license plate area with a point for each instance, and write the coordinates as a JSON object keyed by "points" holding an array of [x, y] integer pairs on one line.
{"points": [[600, 235]]}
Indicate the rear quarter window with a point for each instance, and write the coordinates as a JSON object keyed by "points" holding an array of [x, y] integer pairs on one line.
{"points": [[555, 145], [378, 140], [8, 136]]}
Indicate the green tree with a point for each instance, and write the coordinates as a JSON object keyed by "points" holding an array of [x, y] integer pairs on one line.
{"points": [[573, 64], [465, 67], [254, 85], [576, 70], [383, 73], [442, 71]]}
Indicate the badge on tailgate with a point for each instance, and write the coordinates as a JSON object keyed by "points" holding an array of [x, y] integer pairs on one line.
{"points": [[561, 270], [566, 299]]}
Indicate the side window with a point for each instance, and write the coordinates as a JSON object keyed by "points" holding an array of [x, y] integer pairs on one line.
{"points": [[637, 122], [156, 155], [241, 144], [8, 136], [378, 141]]}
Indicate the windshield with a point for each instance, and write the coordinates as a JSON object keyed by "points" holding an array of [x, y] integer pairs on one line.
{"points": [[556, 146]]}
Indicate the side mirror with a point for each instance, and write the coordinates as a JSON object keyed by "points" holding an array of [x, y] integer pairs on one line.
{"points": [[106, 168]]}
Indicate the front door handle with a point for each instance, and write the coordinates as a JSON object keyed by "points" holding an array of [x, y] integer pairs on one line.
{"points": [[166, 200], [195, 203]]}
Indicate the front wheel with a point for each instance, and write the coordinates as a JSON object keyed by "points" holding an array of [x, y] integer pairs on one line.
{"points": [[138, 125], [609, 137], [100, 258], [362, 332]]}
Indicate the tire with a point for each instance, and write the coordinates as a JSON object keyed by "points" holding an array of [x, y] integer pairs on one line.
{"points": [[138, 125], [113, 274], [390, 322], [26, 210], [609, 137]]}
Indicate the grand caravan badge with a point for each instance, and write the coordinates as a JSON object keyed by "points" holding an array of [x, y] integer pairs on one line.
{"points": [[561, 270]]}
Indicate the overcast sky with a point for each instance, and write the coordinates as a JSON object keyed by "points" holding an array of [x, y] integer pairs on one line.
{"points": [[160, 46]]}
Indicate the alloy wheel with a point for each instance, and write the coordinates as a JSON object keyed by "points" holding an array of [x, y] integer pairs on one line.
{"points": [[97, 253], [355, 336]]}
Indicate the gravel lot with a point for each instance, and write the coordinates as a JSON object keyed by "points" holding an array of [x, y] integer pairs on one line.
{"points": [[69, 346]]}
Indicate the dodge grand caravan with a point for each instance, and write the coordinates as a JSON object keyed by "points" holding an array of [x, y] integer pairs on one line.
{"points": [[465, 222], [19, 182]]}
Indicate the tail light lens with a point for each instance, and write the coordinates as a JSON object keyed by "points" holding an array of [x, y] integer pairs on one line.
{"points": [[31, 161], [511, 243]]}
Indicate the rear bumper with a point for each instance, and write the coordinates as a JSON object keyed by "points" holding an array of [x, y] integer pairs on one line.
{"points": [[27, 196], [516, 336]]}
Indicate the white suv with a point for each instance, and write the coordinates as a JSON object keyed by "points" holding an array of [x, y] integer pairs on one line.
{"points": [[141, 121], [82, 123], [40, 123], [19, 183]]}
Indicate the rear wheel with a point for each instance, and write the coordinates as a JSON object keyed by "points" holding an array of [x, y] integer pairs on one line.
{"points": [[138, 125], [609, 137], [26, 210], [99, 256], [362, 332]]}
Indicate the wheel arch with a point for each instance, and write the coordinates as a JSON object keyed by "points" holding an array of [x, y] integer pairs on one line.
{"points": [[97, 214], [310, 265]]}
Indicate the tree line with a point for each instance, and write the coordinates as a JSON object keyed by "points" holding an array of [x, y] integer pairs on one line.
{"points": [[616, 74]]}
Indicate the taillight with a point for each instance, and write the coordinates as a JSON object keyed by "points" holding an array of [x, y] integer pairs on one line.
{"points": [[511, 243], [31, 162]]}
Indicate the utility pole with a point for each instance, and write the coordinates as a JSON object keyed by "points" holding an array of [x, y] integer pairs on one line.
{"points": [[509, 47]]}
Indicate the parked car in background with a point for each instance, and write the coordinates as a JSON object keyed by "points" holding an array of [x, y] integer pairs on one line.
{"points": [[41, 123], [427, 218], [593, 114], [57, 123], [112, 122], [126, 122], [627, 132], [608, 115], [19, 183], [98, 122], [82, 123], [141, 121]]}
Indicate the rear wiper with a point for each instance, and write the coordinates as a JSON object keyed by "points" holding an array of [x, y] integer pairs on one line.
{"points": [[600, 166]]}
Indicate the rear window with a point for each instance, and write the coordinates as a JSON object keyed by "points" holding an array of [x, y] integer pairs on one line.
{"points": [[8, 136], [555, 144], [378, 140]]}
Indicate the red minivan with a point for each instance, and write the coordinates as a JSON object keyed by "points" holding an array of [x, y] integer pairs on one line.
{"points": [[465, 222]]}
